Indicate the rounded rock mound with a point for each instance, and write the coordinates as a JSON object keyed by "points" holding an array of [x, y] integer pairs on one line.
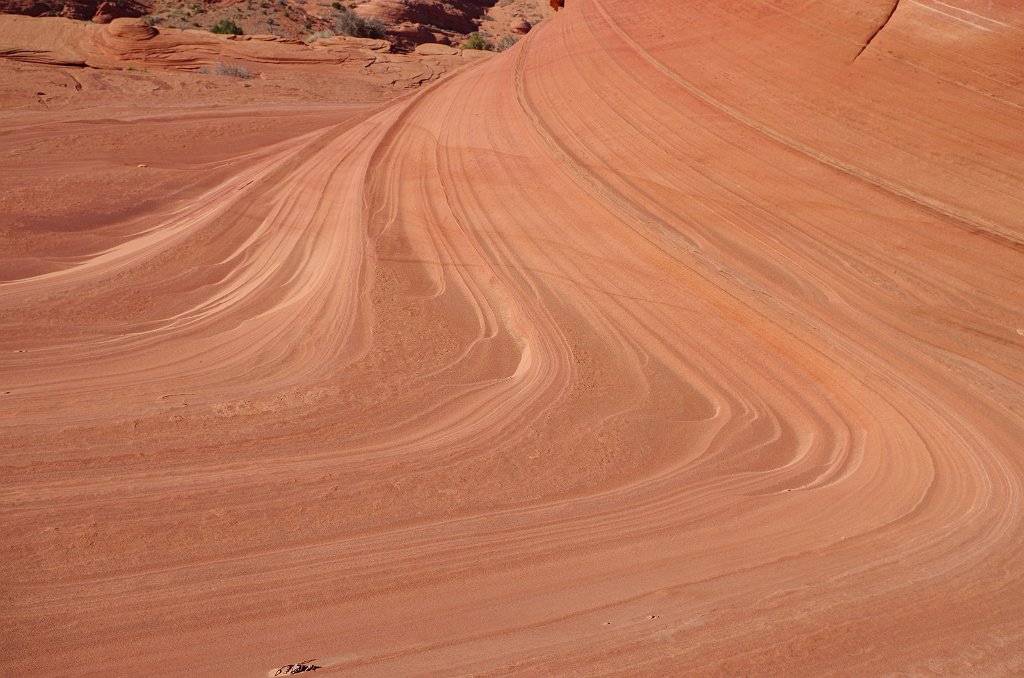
{"points": [[131, 29]]}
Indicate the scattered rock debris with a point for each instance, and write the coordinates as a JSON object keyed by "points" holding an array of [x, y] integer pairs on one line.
{"points": [[297, 667]]}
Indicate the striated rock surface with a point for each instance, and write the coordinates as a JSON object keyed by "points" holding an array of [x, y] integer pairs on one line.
{"points": [[131, 43], [46, 40], [131, 30], [683, 337]]}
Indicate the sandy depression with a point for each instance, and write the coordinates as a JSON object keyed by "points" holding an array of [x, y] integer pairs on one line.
{"points": [[682, 338]]}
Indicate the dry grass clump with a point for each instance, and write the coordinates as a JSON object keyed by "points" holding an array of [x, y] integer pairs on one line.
{"points": [[234, 71]]}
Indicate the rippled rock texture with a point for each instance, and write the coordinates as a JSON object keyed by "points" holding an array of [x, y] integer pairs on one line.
{"points": [[683, 337]]}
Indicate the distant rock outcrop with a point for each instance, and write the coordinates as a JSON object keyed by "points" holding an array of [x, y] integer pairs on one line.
{"points": [[407, 35], [100, 11], [458, 17], [108, 10], [412, 22], [132, 43], [522, 26]]}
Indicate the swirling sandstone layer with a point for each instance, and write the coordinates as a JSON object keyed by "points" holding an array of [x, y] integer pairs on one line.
{"points": [[132, 44], [680, 338]]}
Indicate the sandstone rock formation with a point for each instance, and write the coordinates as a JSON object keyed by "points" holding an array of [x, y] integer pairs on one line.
{"points": [[131, 30], [126, 42], [416, 21], [685, 337], [451, 16], [520, 26], [109, 10], [101, 11]]}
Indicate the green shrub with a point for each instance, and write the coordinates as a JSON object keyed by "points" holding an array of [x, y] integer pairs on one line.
{"points": [[226, 27], [350, 23], [477, 41]]}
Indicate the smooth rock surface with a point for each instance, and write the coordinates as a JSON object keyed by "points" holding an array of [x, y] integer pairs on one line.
{"points": [[682, 337]]}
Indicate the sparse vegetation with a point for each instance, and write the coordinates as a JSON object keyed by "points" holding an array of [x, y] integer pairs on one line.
{"points": [[226, 27], [234, 71], [477, 41], [350, 23], [506, 42], [319, 35]]}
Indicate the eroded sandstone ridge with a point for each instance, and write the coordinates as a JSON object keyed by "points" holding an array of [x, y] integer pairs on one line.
{"points": [[132, 43]]}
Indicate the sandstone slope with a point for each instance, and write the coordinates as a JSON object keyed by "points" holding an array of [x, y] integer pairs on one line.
{"points": [[684, 337]]}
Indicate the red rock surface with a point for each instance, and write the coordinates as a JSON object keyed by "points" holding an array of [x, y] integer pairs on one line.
{"points": [[407, 22], [520, 26], [683, 337], [131, 43]]}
